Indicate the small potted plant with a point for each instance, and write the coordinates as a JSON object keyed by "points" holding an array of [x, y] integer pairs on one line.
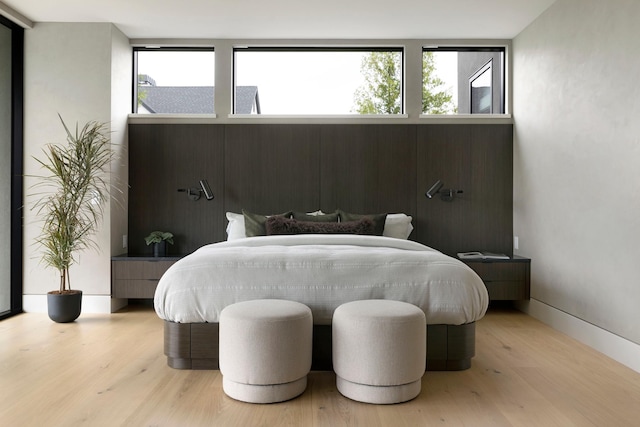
{"points": [[159, 239]]}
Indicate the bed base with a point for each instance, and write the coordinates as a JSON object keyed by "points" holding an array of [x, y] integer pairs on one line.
{"points": [[195, 346]]}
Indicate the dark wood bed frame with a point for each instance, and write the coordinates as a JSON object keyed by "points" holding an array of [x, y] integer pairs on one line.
{"points": [[360, 168], [195, 346]]}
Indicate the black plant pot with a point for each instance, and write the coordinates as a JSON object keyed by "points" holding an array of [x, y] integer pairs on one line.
{"points": [[160, 249], [64, 308]]}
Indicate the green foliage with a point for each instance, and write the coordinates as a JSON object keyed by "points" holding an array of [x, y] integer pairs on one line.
{"points": [[159, 236], [72, 194], [381, 93], [434, 100]]}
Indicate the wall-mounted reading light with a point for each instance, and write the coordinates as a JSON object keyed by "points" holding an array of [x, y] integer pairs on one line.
{"points": [[195, 193], [446, 194], [206, 189]]}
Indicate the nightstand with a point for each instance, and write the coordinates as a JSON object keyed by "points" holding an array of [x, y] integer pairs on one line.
{"points": [[507, 279], [137, 277]]}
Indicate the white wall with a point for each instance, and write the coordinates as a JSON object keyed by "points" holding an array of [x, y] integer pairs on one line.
{"points": [[577, 161], [68, 70]]}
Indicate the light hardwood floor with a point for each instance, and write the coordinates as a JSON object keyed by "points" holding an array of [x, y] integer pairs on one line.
{"points": [[109, 370]]}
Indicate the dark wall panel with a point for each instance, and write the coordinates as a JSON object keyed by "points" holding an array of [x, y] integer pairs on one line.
{"points": [[368, 168], [272, 168], [476, 159], [359, 168], [162, 159]]}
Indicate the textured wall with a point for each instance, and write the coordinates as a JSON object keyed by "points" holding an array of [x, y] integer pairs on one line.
{"points": [[577, 160], [68, 70]]}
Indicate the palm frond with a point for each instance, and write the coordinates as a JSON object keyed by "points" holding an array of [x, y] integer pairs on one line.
{"points": [[71, 194]]}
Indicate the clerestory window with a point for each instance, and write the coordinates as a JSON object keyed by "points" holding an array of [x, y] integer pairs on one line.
{"points": [[463, 80], [174, 80], [320, 81]]}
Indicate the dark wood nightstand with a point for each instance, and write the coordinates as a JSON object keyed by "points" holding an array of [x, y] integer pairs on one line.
{"points": [[137, 277], [507, 279]]}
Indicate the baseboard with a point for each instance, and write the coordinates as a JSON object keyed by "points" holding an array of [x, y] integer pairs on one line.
{"points": [[90, 304], [612, 345]]}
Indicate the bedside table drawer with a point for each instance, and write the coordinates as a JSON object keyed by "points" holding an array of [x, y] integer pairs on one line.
{"points": [[134, 288], [137, 277], [499, 271], [504, 279], [140, 270], [500, 291]]}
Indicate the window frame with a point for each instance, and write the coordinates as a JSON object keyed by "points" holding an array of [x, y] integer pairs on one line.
{"points": [[503, 49], [324, 48], [154, 48], [17, 154]]}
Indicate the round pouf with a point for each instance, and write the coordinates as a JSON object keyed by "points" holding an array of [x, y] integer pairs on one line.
{"points": [[265, 350], [379, 350]]}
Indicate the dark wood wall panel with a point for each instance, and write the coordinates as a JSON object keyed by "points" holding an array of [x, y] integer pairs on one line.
{"points": [[271, 168], [162, 159], [476, 159], [368, 168]]}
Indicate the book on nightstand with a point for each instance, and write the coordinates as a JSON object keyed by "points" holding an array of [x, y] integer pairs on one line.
{"points": [[481, 255]]}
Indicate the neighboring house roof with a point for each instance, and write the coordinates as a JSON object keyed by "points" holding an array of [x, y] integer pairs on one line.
{"points": [[195, 99]]}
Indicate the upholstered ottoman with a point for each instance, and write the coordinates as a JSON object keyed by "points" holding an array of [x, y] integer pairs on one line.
{"points": [[379, 350], [265, 350]]}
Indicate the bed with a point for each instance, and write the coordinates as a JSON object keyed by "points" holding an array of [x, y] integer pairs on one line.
{"points": [[321, 271]]}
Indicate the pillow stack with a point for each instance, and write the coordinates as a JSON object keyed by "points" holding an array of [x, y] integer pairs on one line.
{"points": [[249, 224]]}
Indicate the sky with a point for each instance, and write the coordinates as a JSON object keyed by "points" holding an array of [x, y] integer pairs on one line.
{"points": [[318, 82]]}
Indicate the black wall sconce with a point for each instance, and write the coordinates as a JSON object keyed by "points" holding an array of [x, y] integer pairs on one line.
{"points": [[446, 194], [195, 193]]}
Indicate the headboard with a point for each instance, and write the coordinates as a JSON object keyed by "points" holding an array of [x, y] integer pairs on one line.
{"points": [[272, 168]]}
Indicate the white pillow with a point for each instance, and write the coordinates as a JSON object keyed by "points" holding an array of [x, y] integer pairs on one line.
{"points": [[398, 226], [235, 228]]}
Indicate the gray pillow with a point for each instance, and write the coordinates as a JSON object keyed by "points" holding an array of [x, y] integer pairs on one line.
{"points": [[378, 220], [254, 224]]}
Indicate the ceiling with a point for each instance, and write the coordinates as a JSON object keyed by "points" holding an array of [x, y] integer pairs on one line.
{"points": [[289, 19]]}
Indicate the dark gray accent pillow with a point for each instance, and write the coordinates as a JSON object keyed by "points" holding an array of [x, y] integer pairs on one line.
{"points": [[378, 220], [330, 217], [254, 224], [281, 225]]}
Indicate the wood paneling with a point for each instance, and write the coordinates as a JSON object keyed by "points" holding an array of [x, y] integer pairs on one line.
{"points": [[477, 159], [271, 168], [162, 159], [368, 168]]}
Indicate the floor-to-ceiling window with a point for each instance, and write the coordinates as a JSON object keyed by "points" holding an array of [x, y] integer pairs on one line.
{"points": [[11, 92]]}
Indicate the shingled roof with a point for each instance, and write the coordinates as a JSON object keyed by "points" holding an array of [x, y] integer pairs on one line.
{"points": [[194, 99]]}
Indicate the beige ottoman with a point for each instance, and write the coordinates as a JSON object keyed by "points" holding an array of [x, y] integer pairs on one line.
{"points": [[265, 350], [379, 350]]}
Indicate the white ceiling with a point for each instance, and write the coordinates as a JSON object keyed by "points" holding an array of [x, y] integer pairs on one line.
{"points": [[291, 19]]}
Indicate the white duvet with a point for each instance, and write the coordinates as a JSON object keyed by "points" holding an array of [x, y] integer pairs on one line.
{"points": [[321, 271]]}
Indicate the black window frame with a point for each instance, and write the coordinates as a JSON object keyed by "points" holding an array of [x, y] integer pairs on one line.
{"points": [[250, 48], [501, 108], [136, 49], [17, 154]]}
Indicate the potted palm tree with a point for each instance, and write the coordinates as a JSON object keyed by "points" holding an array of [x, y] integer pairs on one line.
{"points": [[70, 203]]}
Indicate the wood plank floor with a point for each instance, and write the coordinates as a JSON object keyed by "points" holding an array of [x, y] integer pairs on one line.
{"points": [[109, 370]]}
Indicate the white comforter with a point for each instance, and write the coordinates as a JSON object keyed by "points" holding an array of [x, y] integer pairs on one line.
{"points": [[321, 271]]}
